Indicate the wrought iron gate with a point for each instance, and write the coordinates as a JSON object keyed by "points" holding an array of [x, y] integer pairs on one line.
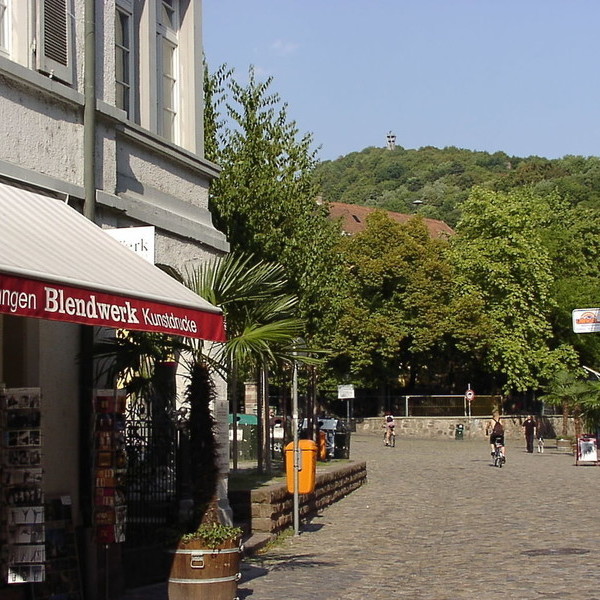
{"points": [[152, 499]]}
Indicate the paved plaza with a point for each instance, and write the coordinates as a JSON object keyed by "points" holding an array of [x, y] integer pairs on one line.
{"points": [[437, 522]]}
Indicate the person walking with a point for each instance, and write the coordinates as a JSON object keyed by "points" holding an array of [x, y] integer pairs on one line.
{"points": [[530, 428]]}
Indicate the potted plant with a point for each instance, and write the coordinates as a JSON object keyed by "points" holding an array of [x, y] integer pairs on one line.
{"points": [[206, 556], [206, 563], [213, 536]]}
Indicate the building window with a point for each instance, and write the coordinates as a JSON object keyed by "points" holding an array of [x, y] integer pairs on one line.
{"points": [[54, 48], [4, 28], [168, 80], [123, 59]]}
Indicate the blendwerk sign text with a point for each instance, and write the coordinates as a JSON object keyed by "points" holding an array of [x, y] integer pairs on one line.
{"points": [[44, 300]]}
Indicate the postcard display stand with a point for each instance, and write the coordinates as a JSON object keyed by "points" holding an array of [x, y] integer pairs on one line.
{"points": [[62, 560], [111, 466], [22, 523]]}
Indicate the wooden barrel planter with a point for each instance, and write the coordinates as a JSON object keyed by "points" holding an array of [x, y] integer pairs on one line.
{"points": [[201, 573]]}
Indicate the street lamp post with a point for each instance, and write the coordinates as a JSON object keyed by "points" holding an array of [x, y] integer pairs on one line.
{"points": [[296, 449]]}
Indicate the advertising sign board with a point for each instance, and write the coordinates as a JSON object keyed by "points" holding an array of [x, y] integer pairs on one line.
{"points": [[586, 320]]}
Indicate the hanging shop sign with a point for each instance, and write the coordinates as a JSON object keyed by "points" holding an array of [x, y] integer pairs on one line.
{"points": [[32, 298], [138, 239], [56, 264]]}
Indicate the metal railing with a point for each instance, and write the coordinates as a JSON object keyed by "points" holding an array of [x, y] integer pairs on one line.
{"points": [[446, 405]]}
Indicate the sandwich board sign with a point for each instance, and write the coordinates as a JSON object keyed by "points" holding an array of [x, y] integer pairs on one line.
{"points": [[586, 320]]}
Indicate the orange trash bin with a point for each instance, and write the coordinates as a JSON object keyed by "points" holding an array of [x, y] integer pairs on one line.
{"points": [[307, 467]]}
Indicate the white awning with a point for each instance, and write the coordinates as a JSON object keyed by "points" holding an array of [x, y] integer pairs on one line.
{"points": [[56, 264]]}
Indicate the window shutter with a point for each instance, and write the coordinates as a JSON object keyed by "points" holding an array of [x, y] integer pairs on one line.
{"points": [[54, 39]]}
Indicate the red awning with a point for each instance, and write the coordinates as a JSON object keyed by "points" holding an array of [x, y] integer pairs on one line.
{"points": [[56, 264]]}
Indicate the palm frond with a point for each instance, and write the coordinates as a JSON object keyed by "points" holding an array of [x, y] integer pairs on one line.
{"points": [[234, 278]]}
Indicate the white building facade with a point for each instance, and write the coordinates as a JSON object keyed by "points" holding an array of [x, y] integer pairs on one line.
{"points": [[101, 107]]}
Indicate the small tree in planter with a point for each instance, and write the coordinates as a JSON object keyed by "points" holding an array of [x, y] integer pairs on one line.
{"points": [[207, 556], [200, 394]]}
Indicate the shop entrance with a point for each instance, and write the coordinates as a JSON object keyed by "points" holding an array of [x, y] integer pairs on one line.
{"points": [[152, 490]]}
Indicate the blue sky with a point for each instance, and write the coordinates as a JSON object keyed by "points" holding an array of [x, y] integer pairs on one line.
{"points": [[521, 76]]}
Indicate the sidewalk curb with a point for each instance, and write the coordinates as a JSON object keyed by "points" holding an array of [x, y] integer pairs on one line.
{"points": [[255, 542]]}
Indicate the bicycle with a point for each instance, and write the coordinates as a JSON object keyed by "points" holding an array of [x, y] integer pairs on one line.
{"points": [[498, 455], [389, 437]]}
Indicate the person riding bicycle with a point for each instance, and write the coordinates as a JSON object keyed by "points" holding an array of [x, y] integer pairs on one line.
{"points": [[495, 430], [388, 425]]}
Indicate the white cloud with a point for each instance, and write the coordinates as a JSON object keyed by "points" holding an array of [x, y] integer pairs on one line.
{"points": [[261, 72], [284, 48]]}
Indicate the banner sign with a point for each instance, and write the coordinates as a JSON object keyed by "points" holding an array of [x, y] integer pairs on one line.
{"points": [[57, 302], [586, 320]]}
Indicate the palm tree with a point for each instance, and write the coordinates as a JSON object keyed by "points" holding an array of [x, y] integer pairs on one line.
{"points": [[260, 322], [567, 390], [261, 328], [590, 406]]}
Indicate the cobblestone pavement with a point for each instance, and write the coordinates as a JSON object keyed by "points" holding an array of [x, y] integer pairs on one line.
{"points": [[437, 522]]}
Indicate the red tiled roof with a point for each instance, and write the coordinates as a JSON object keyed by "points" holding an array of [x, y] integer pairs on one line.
{"points": [[354, 219]]}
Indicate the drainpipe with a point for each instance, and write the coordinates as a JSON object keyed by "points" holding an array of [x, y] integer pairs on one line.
{"points": [[86, 366], [89, 113]]}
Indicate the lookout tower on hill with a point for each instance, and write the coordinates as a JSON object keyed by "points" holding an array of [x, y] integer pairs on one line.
{"points": [[391, 141]]}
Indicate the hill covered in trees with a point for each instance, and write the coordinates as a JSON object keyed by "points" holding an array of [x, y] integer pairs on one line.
{"points": [[439, 180]]}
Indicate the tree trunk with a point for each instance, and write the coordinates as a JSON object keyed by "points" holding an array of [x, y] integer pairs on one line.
{"points": [[203, 447], [578, 422]]}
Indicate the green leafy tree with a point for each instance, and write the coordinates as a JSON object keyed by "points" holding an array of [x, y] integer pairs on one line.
{"points": [[500, 256], [399, 314], [573, 242], [265, 199], [259, 313]]}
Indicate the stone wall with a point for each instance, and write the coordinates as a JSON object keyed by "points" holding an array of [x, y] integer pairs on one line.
{"points": [[269, 509], [474, 427]]}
